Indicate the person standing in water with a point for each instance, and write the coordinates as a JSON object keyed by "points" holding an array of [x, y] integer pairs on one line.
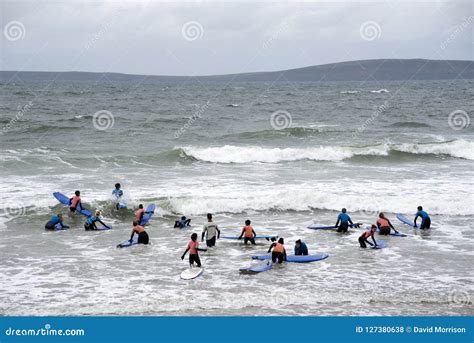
{"points": [[193, 248], [363, 239], [142, 234], [301, 248], [248, 233], [384, 225], [56, 222], [90, 223], [75, 202], [279, 252], [117, 193], [139, 213], [344, 219], [211, 229], [425, 219]]}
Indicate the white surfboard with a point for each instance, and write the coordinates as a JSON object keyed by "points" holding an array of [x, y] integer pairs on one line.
{"points": [[191, 273]]}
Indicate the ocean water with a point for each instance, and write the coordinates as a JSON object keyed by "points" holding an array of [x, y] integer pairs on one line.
{"points": [[284, 155]]}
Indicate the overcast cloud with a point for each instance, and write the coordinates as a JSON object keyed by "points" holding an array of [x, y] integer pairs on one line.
{"points": [[200, 37]]}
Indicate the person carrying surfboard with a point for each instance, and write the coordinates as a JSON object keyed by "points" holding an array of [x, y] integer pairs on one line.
{"points": [[56, 221], [279, 252], [142, 234], [248, 233], [182, 223], [75, 202], [90, 223], [384, 225], [344, 219], [211, 229], [425, 219], [301, 248], [363, 239], [193, 248]]}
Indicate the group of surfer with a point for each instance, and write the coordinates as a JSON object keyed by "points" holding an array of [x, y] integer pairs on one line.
{"points": [[211, 230]]}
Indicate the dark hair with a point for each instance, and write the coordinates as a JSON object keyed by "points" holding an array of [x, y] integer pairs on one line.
{"points": [[247, 222], [420, 208], [194, 236], [381, 215], [281, 241], [344, 210], [298, 241], [183, 218], [273, 239], [77, 193], [140, 206], [209, 216], [373, 227], [135, 222], [117, 185]]}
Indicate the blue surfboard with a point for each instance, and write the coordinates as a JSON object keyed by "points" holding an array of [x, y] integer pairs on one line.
{"points": [[128, 242], [380, 244], [256, 237], [295, 258], [150, 210], [258, 268], [322, 227], [103, 228], [392, 233], [405, 220], [65, 200], [121, 205]]}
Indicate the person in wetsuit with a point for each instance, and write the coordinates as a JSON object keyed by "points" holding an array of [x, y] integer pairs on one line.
{"points": [[212, 230], [344, 219], [425, 219], [279, 252], [90, 223], [193, 248], [139, 213], [384, 225], [248, 233], [301, 248], [182, 223], [75, 202], [55, 222], [143, 237], [363, 239], [117, 193]]}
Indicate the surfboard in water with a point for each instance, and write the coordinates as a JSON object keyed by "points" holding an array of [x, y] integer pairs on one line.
{"points": [[380, 244], [150, 210], [65, 200], [405, 220], [121, 205], [295, 258], [392, 233], [128, 242], [191, 273], [258, 268], [257, 237], [328, 227]]}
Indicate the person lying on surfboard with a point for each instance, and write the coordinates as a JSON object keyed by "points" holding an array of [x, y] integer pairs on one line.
{"points": [[54, 221], [344, 219], [211, 230], [75, 202], [182, 223], [363, 239], [279, 252], [193, 248], [142, 235], [384, 225], [90, 223], [301, 248], [425, 219], [117, 193], [248, 233]]}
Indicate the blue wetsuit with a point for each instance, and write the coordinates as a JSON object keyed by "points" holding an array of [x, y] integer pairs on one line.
{"points": [[344, 219], [302, 250], [55, 223], [118, 193], [425, 220], [90, 223]]}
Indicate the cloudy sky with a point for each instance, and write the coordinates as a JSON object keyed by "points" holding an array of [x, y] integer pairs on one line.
{"points": [[218, 37]]}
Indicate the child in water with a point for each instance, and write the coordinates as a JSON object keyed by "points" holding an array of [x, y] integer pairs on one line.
{"points": [[248, 233], [363, 239], [279, 252], [182, 223], [193, 248], [90, 223]]}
